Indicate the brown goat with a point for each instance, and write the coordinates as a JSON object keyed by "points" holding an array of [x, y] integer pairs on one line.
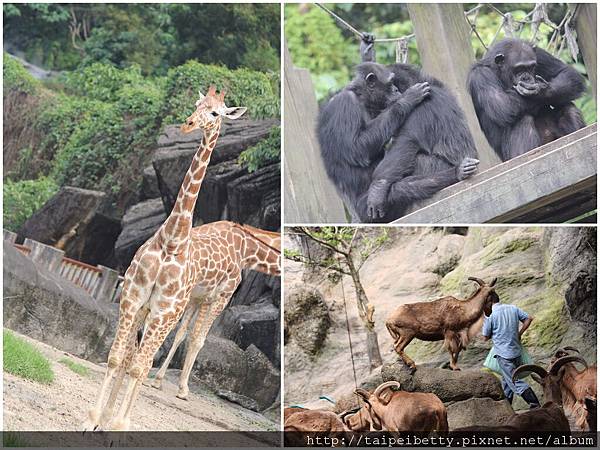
{"points": [[579, 390], [389, 410], [447, 319], [548, 418], [305, 423]]}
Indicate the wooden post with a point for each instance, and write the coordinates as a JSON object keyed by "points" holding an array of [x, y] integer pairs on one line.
{"points": [[446, 53], [309, 195], [586, 26]]}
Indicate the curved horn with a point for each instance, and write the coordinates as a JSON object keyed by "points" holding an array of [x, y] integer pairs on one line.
{"points": [[387, 384], [348, 412], [479, 281], [529, 368], [362, 394], [556, 365]]}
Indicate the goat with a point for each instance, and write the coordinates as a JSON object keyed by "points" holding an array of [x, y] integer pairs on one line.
{"points": [[550, 417], [579, 391], [446, 318], [287, 412], [389, 410], [298, 426]]}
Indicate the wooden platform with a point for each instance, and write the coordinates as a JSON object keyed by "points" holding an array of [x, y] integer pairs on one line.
{"points": [[554, 183]]}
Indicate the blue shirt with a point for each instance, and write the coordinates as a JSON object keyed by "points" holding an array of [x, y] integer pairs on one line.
{"points": [[503, 327]]}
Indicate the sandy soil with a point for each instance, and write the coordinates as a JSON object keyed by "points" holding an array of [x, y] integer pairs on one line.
{"points": [[63, 405]]}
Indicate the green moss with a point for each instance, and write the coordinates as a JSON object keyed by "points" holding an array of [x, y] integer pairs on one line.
{"points": [[497, 249], [453, 281], [518, 245], [24, 360], [550, 320]]}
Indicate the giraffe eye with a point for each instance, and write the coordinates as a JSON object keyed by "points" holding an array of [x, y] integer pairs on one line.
{"points": [[214, 113]]}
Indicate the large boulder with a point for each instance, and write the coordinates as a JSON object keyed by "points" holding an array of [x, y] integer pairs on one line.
{"points": [[223, 366], [572, 257], [75, 219], [306, 318], [176, 150], [448, 385], [40, 304], [478, 412], [139, 223]]}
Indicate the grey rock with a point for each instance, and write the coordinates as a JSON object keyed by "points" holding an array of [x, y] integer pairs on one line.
{"points": [[139, 223], [222, 365], [46, 307], [149, 189], [76, 217], [448, 385], [478, 412], [240, 399], [306, 318]]}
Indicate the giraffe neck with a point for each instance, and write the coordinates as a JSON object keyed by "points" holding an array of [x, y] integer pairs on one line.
{"points": [[177, 227]]}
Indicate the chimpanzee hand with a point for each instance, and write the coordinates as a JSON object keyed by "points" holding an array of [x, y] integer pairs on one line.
{"points": [[467, 167], [367, 47], [378, 192], [417, 93], [527, 89]]}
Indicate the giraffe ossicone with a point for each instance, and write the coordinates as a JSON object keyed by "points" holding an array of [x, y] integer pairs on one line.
{"points": [[163, 275]]}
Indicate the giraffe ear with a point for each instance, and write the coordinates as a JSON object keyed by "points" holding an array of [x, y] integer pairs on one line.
{"points": [[235, 112]]}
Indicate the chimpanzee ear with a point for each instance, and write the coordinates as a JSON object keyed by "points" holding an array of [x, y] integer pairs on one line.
{"points": [[499, 58], [371, 78]]}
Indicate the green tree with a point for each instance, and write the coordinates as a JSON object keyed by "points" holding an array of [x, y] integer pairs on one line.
{"points": [[347, 253]]}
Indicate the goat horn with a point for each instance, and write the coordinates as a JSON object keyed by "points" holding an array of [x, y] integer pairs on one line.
{"points": [[387, 384], [362, 393], [348, 412], [479, 281], [529, 368], [555, 367]]}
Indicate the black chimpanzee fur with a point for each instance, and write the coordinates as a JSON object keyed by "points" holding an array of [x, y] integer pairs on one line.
{"points": [[432, 147], [354, 126], [523, 97]]}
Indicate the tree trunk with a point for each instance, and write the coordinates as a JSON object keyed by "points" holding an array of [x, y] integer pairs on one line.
{"points": [[366, 310]]}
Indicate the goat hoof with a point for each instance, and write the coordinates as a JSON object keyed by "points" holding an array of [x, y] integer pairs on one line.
{"points": [[157, 384]]}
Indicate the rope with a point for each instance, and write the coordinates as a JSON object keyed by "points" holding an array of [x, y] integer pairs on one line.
{"points": [[348, 330]]}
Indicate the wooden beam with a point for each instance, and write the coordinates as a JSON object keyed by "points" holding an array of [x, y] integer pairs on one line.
{"points": [[309, 195], [586, 26], [556, 181], [446, 53]]}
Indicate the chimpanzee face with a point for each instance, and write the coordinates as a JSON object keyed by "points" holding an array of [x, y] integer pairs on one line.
{"points": [[375, 82], [516, 64]]}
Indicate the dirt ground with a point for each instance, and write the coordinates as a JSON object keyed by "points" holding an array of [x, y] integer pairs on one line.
{"points": [[63, 405]]}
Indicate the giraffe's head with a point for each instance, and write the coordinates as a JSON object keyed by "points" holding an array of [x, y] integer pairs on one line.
{"points": [[209, 110]]}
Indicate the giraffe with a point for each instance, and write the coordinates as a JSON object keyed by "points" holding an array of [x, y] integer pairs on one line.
{"points": [[159, 280], [232, 247]]}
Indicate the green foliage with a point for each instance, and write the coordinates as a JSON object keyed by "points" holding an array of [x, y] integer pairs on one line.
{"points": [[79, 369], [244, 87], [23, 198], [264, 153], [101, 81], [316, 43], [16, 78], [24, 360]]}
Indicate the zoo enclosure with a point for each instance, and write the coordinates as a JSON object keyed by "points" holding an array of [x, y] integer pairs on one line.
{"points": [[446, 55]]}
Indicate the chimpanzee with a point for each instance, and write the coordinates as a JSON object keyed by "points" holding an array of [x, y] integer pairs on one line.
{"points": [[431, 147], [523, 97]]}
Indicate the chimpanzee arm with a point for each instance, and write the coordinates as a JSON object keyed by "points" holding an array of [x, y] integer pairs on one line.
{"points": [[565, 84], [492, 103]]}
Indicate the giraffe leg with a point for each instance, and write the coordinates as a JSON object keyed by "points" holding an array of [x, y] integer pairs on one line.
{"points": [[196, 342], [207, 315], [156, 330], [179, 337], [118, 382], [129, 321]]}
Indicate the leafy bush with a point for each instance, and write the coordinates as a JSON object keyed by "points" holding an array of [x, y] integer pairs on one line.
{"points": [[264, 153], [24, 360], [244, 88], [23, 198], [16, 76]]}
